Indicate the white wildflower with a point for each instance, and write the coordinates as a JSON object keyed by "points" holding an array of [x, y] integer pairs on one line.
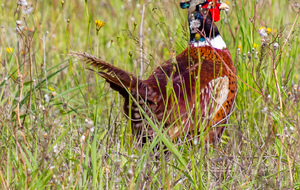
{"points": [[195, 141], [82, 138], [27, 10], [55, 148], [18, 22], [46, 98], [92, 129], [130, 172], [275, 46], [22, 3], [263, 32], [264, 110]]}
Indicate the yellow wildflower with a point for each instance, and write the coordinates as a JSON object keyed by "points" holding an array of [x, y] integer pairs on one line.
{"points": [[262, 28], [255, 45], [227, 2], [240, 47], [269, 30], [99, 24], [9, 49], [296, 77], [51, 89]]}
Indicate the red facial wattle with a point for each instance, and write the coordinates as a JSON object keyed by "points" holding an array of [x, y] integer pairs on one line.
{"points": [[214, 10]]}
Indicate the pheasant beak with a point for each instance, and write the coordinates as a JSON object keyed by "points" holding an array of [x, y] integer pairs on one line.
{"points": [[224, 6]]}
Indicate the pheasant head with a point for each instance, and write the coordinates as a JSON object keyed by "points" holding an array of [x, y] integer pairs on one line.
{"points": [[201, 16]]}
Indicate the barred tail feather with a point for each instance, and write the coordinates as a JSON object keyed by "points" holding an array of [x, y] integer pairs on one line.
{"points": [[117, 78]]}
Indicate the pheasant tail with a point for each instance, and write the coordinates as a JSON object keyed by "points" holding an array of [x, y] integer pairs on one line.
{"points": [[117, 78]]}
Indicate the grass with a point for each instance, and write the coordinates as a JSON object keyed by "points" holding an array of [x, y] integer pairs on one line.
{"points": [[62, 127]]}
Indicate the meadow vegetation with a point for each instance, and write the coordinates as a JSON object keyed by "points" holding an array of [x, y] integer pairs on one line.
{"points": [[62, 127]]}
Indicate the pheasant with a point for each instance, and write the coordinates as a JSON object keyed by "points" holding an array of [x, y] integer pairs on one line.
{"points": [[202, 81]]}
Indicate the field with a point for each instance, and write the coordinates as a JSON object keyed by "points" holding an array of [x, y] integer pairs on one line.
{"points": [[62, 127]]}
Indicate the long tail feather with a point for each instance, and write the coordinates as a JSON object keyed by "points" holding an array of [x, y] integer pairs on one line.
{"points": [[117, 78]]}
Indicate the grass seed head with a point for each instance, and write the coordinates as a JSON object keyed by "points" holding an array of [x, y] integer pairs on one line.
{"points": [[256, 55], [244, 56], [65, 105], [53, 94], [249, 55]]}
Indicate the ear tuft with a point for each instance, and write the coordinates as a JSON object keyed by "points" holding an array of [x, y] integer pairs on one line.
{"points": [[185, 5]]}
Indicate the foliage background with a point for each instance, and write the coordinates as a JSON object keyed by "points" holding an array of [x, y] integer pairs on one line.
{"points": [[62, 127]]}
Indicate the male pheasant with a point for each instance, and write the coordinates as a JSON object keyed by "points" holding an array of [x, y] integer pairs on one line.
{"points": [[202, 79]]}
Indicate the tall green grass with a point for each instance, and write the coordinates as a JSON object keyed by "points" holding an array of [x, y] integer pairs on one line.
{"points": [[62, 127]]}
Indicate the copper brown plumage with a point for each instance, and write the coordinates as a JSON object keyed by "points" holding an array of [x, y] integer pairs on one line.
{"points": [[202, 77]]}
